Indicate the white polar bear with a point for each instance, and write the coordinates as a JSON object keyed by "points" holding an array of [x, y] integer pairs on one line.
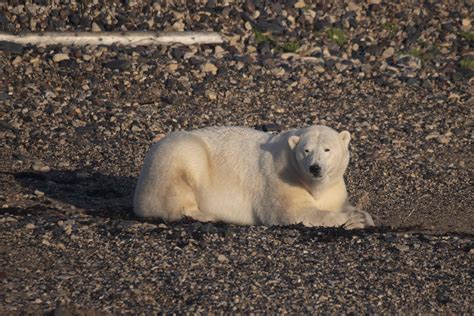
{"points": [[243, 176]]}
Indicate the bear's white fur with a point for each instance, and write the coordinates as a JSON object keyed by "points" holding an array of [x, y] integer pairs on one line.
{"points": [[243, 176]]}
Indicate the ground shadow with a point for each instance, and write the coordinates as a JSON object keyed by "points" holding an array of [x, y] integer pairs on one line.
{"points": [[95, 194]]}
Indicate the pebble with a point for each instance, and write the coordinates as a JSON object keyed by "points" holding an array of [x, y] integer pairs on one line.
{"points": [[171, 68], [95, 27], [39, 193], [388, 53], [60, 57], [30, 226], [41, 167], [209, 68], [300, 5], [442, 139], [17, 61], [409, 61], [221, 258], [119, 64], [9, 219], [402, 248], [211, 95]]}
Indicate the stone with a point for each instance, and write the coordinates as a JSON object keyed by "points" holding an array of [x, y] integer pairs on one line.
{"points": [[409, 61], [60, 57], [119, 64], [388, 53], [30, 226], [221, 258], [17, 61], [41, 167], [402, 248], [209, 68], [300, 5], [211, 95], [95, 27], [171, 68], [442, 139], [39, 193]]}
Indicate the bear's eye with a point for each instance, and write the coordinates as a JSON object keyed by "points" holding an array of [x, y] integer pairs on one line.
{"points": [[306, 151], [327, 149]]}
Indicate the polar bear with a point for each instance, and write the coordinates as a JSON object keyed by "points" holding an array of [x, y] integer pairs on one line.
{"points": [[243, 176]]}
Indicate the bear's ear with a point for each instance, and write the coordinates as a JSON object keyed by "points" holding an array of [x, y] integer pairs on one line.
{"points": [[293, 141], [345, 137]]}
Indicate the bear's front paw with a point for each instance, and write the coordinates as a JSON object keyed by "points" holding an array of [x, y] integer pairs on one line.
{"points": [[358, 219]]}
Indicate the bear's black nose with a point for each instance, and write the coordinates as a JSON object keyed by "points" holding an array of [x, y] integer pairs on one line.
{"points": [[315, 170]]}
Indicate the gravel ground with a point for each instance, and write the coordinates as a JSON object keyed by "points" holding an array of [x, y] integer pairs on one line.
{"points": [[75, 124]]}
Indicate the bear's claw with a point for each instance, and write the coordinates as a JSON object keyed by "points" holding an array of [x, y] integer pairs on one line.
{"points": [[359, 219]]}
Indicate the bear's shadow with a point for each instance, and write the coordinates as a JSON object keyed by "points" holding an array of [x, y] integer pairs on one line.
{"points": [[96, 194]]}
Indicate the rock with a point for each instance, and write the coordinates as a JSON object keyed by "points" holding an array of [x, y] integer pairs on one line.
{"points": [[319, 69], [95, 27], [270, 26], [402, 248], [271, 127], [178, 52], [300, 5], [39, 193], [17, 61], [211, 95], [41, 167], [219, 51], [209, 68], [60, 57], [171, 68], [249, 6], [119, 64], [466, 23], [442, 139], [221, 258], [135, 128], [30, 226], [388, 53], [409, 61]]}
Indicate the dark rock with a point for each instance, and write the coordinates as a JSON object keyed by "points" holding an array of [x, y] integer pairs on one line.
{"points": [[270, 26], [412, 81], [4, 96], [119, 64], [169, 99], [4, 126], [4, 23], [86, 22], [75, 19], [448, 27], [442, 295], [249, 6], [178, 52], [198, 89], [68, 63], [270, 127]]}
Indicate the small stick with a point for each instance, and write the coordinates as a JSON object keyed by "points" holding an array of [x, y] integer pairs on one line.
{"points": [[109, 38]]}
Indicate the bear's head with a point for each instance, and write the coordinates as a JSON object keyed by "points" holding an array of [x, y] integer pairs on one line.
{"points": [[321, 153]]}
